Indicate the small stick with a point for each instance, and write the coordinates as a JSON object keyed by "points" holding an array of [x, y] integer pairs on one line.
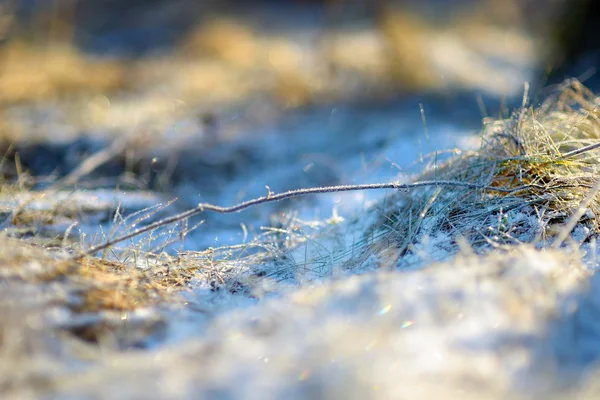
{"points": [[581, 150], [286, 195]]}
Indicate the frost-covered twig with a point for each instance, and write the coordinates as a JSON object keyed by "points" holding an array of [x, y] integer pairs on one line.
{"points": [[286, 195], [581, 150]]}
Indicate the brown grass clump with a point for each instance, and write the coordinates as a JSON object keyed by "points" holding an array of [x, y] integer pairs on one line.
{"points": [[548, 150], [32, 72], [226, 40], [90, 286], [231, 54]]}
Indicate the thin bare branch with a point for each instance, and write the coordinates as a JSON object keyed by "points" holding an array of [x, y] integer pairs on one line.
{"points": [[581, 150], [286, 195]]}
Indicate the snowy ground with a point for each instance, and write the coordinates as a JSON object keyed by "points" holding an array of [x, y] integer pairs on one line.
{"points": [[513, 325], [321, 308], [322, 320]]}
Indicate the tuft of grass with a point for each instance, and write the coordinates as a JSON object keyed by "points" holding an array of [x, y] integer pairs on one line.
{"points": [[548, 153], [90, 286]]}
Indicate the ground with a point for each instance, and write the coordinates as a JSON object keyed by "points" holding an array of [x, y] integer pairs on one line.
{"points": [[484, 291]]}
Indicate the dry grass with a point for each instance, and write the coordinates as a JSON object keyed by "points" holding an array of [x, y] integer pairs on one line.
{"points": [[228, 60], [90, 286], [32, 73], [48, 85], [537, 148]]}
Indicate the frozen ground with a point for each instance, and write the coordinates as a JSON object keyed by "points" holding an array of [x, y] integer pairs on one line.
{"points": [[312, 299], [512, 325], [335, 316]]}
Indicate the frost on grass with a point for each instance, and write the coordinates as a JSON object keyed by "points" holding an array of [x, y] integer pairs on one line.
{"points": [[508, 316], [548, 149]]}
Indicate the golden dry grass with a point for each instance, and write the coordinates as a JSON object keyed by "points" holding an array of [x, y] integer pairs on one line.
{"points": [[100, 284], [32, 73], [229, 60], [548, 150]]}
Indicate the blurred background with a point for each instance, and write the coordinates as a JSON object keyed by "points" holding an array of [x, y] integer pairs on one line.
{"points": [[299, 51], [197, 60], [216, 99]]}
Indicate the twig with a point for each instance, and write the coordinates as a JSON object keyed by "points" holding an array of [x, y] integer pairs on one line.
{"points": [[286, 195], [581, 150]]}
